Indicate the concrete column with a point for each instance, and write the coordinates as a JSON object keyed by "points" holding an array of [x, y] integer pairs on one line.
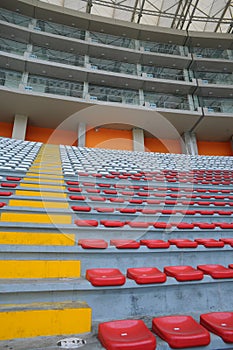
{"points": [[85, 89], [232, 143], [81, 134], [141, 97], [20, 127], [190, 143], [138, 139]]}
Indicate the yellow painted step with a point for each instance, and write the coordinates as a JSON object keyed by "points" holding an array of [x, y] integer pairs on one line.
{"points": [[39, 269], [53, 181], [36, 218], [51, 187], [49, 176], [43, 194], [44, 319], [37, 204], [37, 238]]}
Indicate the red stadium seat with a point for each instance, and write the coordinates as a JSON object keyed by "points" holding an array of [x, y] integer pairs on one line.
{"points": [[117, 200], [162, 225], [180, 331], [110, 191], [78, 198], [5, 194], [86, 223], [81, 208], [152, 201], [119, 186], [205, 225], [93, 243], [13, 178], [155, 243], [220, 323], [227, 241], [97, 199], [216, 271], [225, 225], [206, 212], [2, 204], [127, 210], [6, 184], [183, 243], [125, 243], [105, 210], [183, 273], [136, 201], [104, 185], [92, 190], [185, 226], [105, 277], [112, 223], [138, 224], [143, 194], [72, 183], [149, 211], [74, 189], [210, 242], [126, 334], [88, 184], [145, 275], [224, 212]]}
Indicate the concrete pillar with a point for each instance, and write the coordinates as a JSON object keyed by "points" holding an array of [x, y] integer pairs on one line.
{"points": [[190, 143], [232, 143], [20, 127], [141, 97], [81, 134], [138, 139]]}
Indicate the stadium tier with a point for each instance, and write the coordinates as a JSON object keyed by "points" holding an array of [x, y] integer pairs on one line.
{"points": [[78, 235], [116, 174]]}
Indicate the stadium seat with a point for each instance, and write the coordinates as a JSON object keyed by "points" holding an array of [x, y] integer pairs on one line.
{"points": [[185, 226], [74, 189], [112, 223], [210, 242], [81, 208], [127, 210], [10, 185], [183, 243], [162, 225], [126, 334], [125, 243], [105, 210], [5, 194], [105, 277], [227, 241], [93, 243], [146, 275], [86, 223], [77, 198], [97, 199], [72, 183], [183, 273], [216, 271], [138, 224], [155, 243], [220, 323], [180, 331], [13, 178]]}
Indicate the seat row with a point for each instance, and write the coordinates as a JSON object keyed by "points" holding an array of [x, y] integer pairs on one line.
{"points": [[155, 243], [179, 331], [103, 277], [157, 224]]}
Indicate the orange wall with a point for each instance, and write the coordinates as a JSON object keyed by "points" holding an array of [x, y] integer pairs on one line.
{"points": [[110, 139], [214, 148], [6, 129], [164, 146], [53, 136]]}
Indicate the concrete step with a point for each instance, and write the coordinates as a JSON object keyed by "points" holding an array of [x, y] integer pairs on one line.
{"points": [[43, 319], [39, 269]]}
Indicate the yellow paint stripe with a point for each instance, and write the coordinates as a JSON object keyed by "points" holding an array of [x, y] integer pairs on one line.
{"points": [[37, 238], [49, 176], [40, 194], [36, 218], [37, 204], [34, 323], [61, 182], [52, 187], [39, 268]]}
